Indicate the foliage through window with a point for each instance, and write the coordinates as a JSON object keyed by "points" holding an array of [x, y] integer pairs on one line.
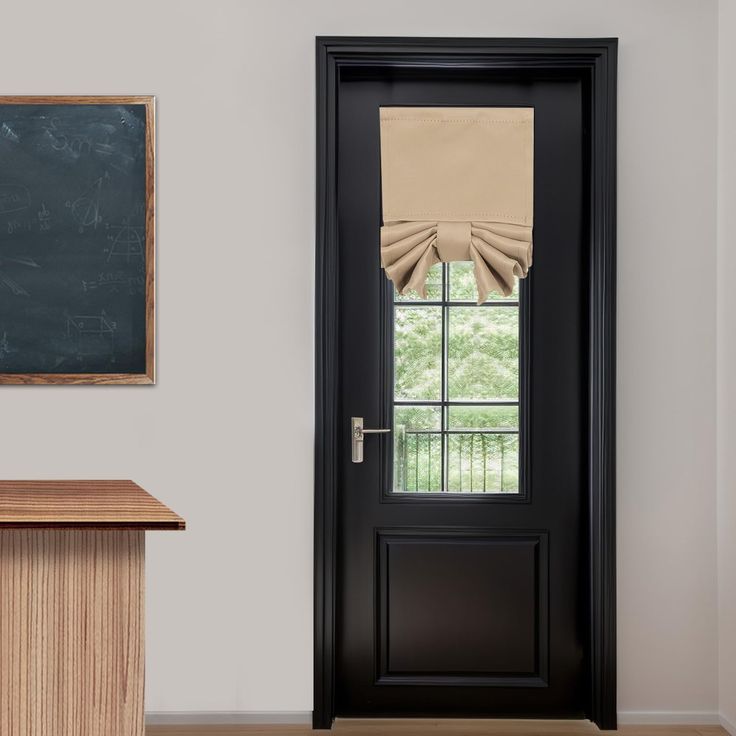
{"points": [[456, 388]]}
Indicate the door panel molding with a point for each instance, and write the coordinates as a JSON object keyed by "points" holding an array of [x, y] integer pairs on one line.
{"points": [[536, 544], [593, 62]]}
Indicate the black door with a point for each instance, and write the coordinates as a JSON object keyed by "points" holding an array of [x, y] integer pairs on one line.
{"points": [[462, 543]]}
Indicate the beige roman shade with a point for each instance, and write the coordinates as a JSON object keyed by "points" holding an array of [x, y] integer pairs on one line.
{"points": [[457, 186]]}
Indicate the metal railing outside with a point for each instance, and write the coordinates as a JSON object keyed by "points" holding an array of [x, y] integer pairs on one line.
{"points": [[475, 461]]}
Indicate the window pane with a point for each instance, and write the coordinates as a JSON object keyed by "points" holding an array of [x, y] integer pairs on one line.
{"points": [[413, 418], [483, 417], [463, 288], [483, 353], [463, 448], [417, 449], [434, 287], [417, 352], [483, 463]]}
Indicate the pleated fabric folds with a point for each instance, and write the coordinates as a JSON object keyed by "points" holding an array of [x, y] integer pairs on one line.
{"points": [[457, 185]]}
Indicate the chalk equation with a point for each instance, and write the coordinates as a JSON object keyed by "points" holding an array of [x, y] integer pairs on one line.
{"points": [[14, 198], [73, 142], [42, 223], [115, 281], [97, 138], [19, 226], [44, 218]]}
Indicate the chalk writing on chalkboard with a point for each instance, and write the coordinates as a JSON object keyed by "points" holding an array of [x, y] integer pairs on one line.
{"points": [[73, 238], [127, 242], [14, 198], [5, 347], [86, 207]]}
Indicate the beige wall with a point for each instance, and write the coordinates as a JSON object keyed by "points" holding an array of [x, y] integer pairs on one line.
{"points": [[230, 601], [727, 361]]}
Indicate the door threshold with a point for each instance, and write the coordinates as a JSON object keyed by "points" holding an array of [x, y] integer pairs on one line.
{"points": [[460, 726]]}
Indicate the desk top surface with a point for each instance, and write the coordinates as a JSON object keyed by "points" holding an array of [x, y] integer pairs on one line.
{"points": [[75, 504]]}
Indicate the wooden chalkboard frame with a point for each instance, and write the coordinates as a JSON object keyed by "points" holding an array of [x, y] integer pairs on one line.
{"points": [[148, 377]]}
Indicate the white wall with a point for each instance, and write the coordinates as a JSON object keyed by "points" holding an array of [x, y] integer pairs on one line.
{"points": [[727, 360], [230, 601]]}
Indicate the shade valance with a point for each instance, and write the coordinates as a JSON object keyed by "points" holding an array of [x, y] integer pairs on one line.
{"points": [[457, 185]]}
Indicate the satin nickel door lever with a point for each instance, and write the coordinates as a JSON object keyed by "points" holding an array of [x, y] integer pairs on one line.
{"points": [[357, 433]]}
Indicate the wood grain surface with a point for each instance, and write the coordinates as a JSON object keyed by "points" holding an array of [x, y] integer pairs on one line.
{"points": [[82, 504], [71, 632], [149, 377]]}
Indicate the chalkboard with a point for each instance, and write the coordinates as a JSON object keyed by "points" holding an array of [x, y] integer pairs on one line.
{"points": [[76, 240]]}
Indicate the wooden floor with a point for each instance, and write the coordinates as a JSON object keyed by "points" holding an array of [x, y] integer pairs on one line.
{"points": [[431, 727]]}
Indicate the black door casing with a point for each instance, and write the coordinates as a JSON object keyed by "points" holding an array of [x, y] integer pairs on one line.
{"points": [[495, 606]]}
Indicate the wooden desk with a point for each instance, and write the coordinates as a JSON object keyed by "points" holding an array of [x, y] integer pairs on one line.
{"points": [[71, 606]]}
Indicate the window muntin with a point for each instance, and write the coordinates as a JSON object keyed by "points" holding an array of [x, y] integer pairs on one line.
{"points": [[456, 388]]}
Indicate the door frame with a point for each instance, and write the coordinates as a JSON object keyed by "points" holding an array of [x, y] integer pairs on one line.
{"points": [[593, 61]]}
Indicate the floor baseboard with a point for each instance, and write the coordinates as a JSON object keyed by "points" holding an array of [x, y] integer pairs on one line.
{"points": [[229, 718], [669, 718], [730, 726], [302, 718]]}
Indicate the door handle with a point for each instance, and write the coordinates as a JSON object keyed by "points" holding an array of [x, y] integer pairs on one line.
{"points": [[357, 435]]}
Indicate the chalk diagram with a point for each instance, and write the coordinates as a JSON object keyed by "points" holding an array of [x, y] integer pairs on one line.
{"points": [[126, 242], [92, 335], [86, 207], [10, 283]]}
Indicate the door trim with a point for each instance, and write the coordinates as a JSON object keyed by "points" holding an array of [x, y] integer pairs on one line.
{"points": [[593, 61]]}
